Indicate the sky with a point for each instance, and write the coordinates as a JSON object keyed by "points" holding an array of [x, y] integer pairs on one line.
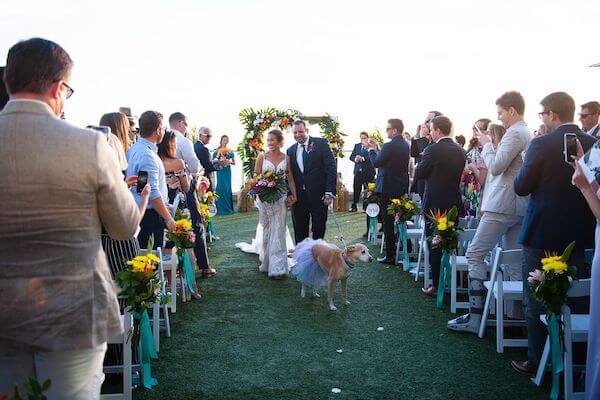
{"points": [[364, 62]]}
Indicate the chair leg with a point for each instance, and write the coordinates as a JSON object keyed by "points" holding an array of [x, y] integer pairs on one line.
{"points": [[156, 325], [167, 320], [500, 324], [539, 376], [486, 311], [382, 243], [173, 289], [127, 371], [568, 372], [453, 288]]}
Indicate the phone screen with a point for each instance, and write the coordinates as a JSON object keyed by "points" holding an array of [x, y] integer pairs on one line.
{"points": [[570, 146], [142, 181]]}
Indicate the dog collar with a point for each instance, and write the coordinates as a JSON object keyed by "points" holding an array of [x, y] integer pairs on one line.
{"points": [[348, 263]]}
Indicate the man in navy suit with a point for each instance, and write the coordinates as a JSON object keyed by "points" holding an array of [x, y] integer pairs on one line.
{"points": [[557, 213], [392, 180], [363, 169], [441, 167], [315, 174], [588, 116], [203, 154]]}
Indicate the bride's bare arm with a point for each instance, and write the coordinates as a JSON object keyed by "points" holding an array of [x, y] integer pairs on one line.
{"points": [[290, 177]]}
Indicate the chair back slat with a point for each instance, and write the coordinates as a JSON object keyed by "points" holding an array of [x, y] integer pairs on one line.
{"points": [[580, 288]]}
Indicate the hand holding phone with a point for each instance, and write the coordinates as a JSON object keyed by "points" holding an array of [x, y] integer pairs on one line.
{"points": [[570, 147], [142, 181]]}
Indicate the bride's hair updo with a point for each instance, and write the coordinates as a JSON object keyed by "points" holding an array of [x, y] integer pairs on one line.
{"points": [[278, 135]]}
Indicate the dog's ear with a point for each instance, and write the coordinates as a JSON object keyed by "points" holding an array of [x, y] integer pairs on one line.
{"points": [[351, 248]]}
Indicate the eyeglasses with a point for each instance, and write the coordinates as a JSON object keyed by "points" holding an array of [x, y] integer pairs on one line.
{"points": [[388, 129], [541, 114], [70, 90]]}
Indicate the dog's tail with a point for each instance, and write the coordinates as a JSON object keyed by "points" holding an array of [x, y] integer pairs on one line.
{"points": [[307, 269]]}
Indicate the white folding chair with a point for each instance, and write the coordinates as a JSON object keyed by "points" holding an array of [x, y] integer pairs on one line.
{"points": [[169, 265], [126, 368], [500, 291], [414, 234], [157, 308], [459, 266], [576, 328]]}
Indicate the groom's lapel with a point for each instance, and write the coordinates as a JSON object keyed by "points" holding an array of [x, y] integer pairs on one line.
{"points": [[310, 153], [294, 151]]}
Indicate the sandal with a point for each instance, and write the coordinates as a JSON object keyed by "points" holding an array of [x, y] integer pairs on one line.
{"points": [[208, 272]]}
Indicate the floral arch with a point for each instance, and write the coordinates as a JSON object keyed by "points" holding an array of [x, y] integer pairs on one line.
{"points": [[256, 122]]}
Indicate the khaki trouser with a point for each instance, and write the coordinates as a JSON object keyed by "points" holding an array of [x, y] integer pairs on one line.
{"points": [[74, 375]]}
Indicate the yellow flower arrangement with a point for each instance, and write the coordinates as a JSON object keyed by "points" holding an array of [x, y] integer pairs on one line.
{"points": [[371, 187], [183, 225], [557, 266], [396, 202]]}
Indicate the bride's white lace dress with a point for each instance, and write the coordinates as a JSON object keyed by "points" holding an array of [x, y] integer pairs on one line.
{"points": [[273, 239]]}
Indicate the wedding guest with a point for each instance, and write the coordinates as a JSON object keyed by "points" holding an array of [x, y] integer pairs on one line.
{"points": [[119, 137], [461, 141], [133, 130], [470, 185], [178, 182], [592, 370], [589, 118], [59, 305], [502, 208], [3, 92], [392, 164], [546, 176], [407, 137], [142, 156], [204, 135], [363, 169], [226, 157], [418, 145], [441, 167], [185, 151]]}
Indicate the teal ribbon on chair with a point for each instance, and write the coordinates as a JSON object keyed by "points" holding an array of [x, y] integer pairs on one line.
{"points": [[146, 349], [445, 270], [555, 353], [403, 238], [188, 270], [373, 229]]}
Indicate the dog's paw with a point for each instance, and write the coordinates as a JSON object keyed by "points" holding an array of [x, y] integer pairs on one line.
{"points": [[347, 302], [316, 294], [332, 307]]}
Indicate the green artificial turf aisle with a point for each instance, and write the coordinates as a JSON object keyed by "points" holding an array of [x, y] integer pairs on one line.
{"points": [[254, 338]]}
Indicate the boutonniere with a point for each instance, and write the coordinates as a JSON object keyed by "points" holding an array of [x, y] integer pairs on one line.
{"points": [[310, 147]]}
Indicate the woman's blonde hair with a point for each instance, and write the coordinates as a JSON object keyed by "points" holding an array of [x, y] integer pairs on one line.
{"points": [[119, 126]]}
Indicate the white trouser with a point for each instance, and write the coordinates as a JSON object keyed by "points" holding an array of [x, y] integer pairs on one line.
{"points": [[74, 375], [493, 228]]}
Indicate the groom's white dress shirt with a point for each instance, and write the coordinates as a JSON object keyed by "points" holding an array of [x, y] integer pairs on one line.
{"points": [[299, 151]]}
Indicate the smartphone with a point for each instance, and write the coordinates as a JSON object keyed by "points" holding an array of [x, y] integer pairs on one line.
{"points": [[142, 181], [105, 130], [570, 147]]}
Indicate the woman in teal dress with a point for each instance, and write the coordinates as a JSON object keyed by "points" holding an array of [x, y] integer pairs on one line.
{"points": [[227, 158]]}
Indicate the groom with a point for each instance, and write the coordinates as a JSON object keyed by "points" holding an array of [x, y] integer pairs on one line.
{"points": [[315, 173]]}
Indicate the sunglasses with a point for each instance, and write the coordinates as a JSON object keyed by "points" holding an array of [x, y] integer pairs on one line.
{"points": [[583, 116]]}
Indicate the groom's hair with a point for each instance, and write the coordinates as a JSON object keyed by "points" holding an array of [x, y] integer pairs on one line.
{"points": [[396, 124], [299, 122]]}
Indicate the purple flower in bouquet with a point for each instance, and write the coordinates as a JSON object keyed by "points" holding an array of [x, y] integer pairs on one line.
{"points": [[271, 184], [536, 276], [262, 182], [191, 236], [437, 239]]}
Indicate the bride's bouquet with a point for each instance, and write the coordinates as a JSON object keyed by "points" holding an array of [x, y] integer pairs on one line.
{"points": [[269, 187]]}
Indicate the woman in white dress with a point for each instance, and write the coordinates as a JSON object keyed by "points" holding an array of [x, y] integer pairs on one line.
{"points": [[273, 216]]}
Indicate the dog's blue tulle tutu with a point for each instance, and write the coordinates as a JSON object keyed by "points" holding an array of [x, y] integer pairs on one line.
{"points": [[307, 269]]}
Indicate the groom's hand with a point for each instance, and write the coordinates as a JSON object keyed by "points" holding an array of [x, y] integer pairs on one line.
{"points": [[327, 200]]}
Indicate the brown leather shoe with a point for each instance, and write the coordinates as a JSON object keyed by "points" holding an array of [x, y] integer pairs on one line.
{"points": [[524, 367], [431, 291]]}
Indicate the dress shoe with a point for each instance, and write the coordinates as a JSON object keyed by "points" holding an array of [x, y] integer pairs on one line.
{"points": [[365, 235], [353, 209], [385, 260], [430, 291], [524, 367], [468, 323]]}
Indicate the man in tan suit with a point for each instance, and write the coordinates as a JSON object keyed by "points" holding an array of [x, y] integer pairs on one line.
{"points": [[58, 185], [502, 208]]}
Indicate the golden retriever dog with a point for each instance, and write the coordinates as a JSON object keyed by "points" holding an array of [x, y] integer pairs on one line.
{"points": [[322, 264]]}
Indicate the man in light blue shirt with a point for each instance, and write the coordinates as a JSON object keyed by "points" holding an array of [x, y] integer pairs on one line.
{"points": [[143, 156]]}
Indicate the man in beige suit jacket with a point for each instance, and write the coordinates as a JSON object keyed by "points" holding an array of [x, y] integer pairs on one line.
{"points": [[502, 208], [58, 185]]}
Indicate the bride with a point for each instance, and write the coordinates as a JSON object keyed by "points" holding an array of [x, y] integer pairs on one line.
{"points": [[273, 244]]}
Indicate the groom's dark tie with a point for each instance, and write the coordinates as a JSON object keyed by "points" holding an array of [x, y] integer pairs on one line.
{"points": [[304, 157]]}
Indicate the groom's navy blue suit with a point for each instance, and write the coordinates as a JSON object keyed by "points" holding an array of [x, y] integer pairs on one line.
{"points": [[319, 177]]}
